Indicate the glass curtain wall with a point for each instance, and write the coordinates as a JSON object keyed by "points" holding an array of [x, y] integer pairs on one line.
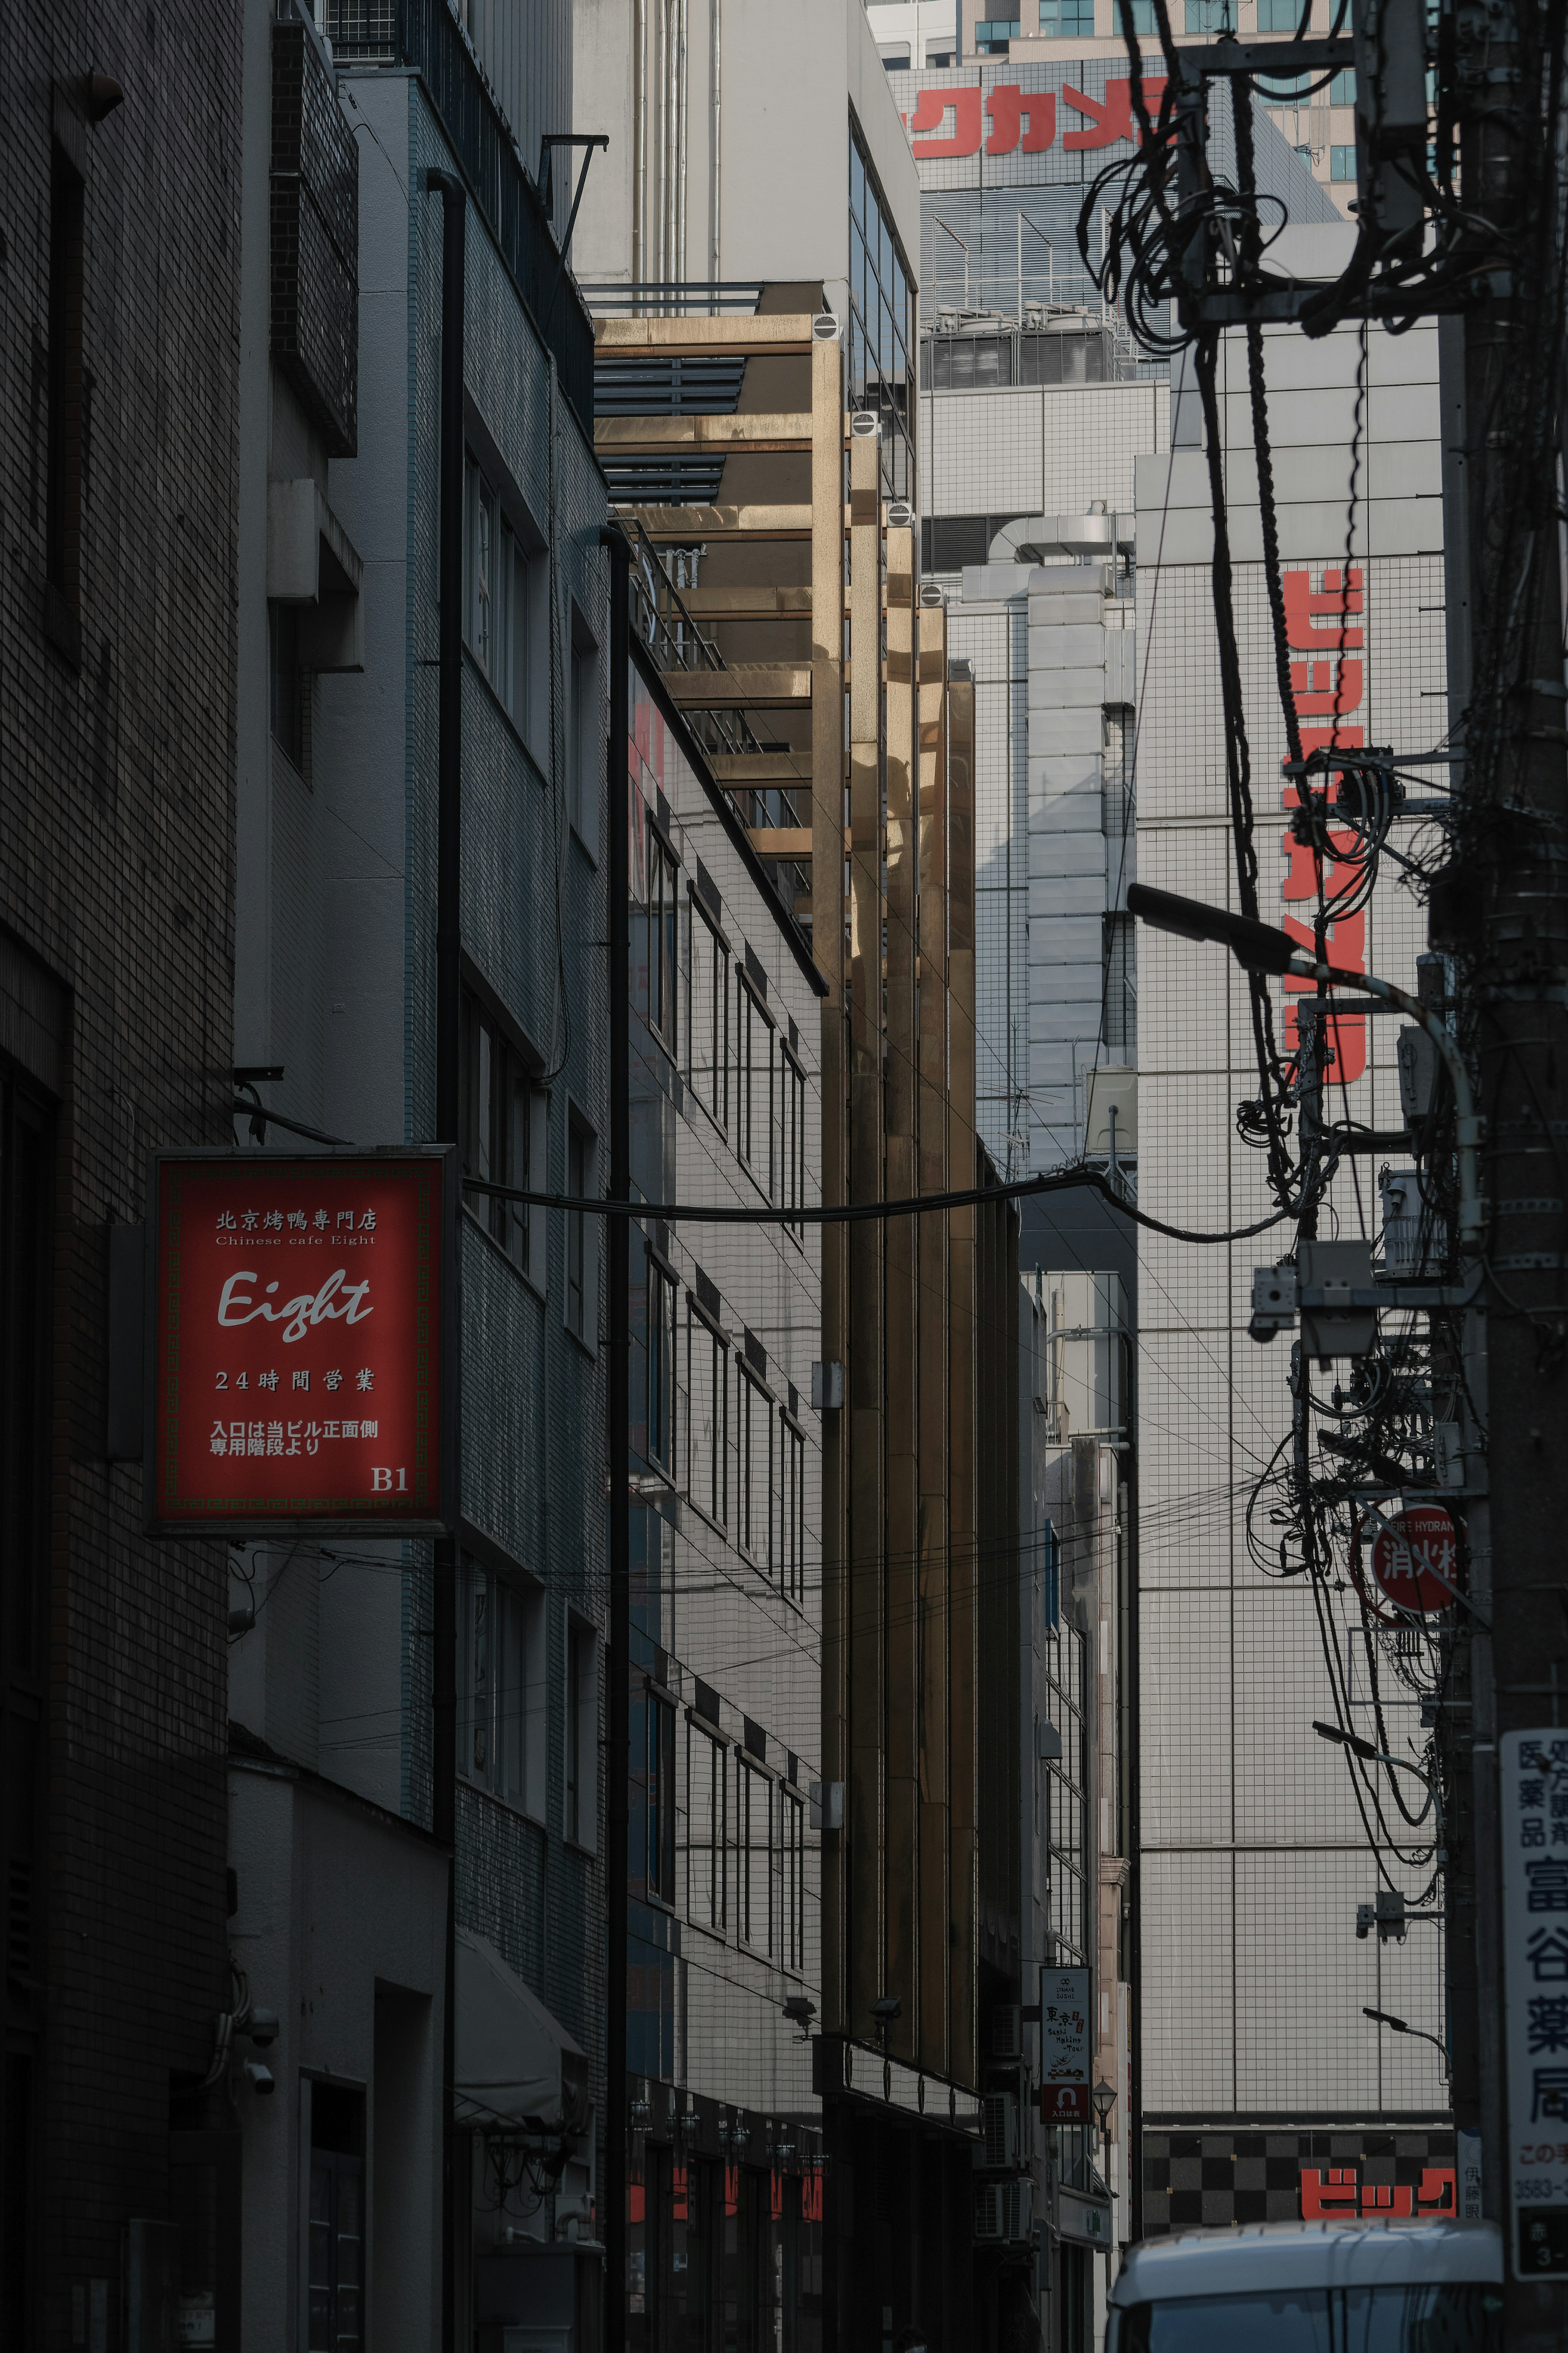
{"points": [[882, 323]]}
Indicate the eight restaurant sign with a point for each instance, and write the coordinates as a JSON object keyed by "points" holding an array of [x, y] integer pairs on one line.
{"points": [[302, 1370]]}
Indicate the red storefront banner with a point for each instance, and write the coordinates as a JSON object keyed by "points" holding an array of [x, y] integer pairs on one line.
{"points": [[302, 1362]]}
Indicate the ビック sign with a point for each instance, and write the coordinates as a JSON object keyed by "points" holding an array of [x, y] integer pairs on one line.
{"points": [[300, 1307]]}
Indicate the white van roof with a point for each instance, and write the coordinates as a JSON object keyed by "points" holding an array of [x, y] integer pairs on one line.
{"points": [[1266, 2255]]}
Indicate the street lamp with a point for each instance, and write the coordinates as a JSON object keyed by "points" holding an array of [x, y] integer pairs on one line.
{"points": [[1104, 2099], [1399, 2026], [1261, 948]]}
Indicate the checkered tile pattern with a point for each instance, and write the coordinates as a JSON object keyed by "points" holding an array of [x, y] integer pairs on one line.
{"points": [[1216, 2179]]}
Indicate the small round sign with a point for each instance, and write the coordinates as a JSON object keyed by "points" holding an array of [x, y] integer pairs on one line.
{"points": [[1415, 1559]]}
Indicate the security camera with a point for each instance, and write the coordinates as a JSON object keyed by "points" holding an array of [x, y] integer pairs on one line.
{"points": [[888, 2008], [261, 2027], [261, 2078]]}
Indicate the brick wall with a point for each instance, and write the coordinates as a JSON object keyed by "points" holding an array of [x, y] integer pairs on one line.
{"points": [[116, 853]]}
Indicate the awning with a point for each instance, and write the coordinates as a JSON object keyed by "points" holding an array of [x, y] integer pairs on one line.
{"points": [[514, 2064]]}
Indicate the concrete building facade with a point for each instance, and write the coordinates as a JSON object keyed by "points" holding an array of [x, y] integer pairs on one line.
{"points": [[344, 1890], [118, 423], [1260, 2069]]}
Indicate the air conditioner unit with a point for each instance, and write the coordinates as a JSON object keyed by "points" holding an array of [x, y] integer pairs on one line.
{"points": [[1003, 2212], [1007, 2031], [998, 2148]]}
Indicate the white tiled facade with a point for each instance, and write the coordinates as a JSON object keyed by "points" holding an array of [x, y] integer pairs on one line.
{"points": [[1254, 1856]]}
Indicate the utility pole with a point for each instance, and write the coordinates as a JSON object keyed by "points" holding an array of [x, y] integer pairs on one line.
{"points": [[1504, 914]]}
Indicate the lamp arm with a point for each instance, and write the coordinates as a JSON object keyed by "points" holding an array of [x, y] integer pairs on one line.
{"points": [[1467, 1123]]}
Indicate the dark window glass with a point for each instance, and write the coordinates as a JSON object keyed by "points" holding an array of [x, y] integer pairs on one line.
{"points": [[286, 695], [336, 2293], [498, 1113]]}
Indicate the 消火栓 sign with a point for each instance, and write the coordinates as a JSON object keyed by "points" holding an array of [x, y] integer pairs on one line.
{"points": [[301, 1363]]}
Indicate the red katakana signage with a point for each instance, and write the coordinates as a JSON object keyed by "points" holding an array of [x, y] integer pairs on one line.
{"points": [[1338, 2194], [300, 1359]]}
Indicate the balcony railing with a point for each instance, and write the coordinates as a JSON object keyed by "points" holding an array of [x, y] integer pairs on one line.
{"points": [[424, 35]]}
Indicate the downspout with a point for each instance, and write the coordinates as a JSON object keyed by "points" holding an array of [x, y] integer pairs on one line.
{"points": [[639, 144], [448, 1016], [681, 95], [715, 189], [617, 1443]]}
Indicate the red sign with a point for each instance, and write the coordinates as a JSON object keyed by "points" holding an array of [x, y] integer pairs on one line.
{"points": [[1325, 688], [1023, 120], [1415, 1559], [1337, 2196], [1064, 2104], [298, 1318]]}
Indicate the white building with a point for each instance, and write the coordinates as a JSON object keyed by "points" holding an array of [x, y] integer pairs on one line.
{"points": [[1254, 1856]]}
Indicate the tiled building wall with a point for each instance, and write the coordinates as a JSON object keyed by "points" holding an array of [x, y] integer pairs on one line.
{"points": [[116, 846], [1254, 1855]]}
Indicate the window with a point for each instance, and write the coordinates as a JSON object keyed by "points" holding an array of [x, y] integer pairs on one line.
{"points": [[754, 1876], [1282, 16], [705, 1830], [663, 1416], [1211, 17], [498, 620], [1063, 17], [582, 1235], [791, 1949], [882, 316], [753, 1083], [336, 2288], [661, 923], [585, 749], [653, 1795], [502, 1120], [792, 1547], [791, 1096], [1144, 20], [708, 1416], [991, 39], [492, 1684], [708, 1018], [582, 1807], [1341, 162], [1341, 90], [285, 682], [68, 390], [753, 1431]]}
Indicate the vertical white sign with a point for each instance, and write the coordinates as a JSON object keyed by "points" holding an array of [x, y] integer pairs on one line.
{"points": [[1064, 2046], [1535, 1951]]}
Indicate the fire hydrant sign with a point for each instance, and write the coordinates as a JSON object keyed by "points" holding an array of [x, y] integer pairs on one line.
{"points": [[1064, 2046], [1535, 1959], [301, 1308]]}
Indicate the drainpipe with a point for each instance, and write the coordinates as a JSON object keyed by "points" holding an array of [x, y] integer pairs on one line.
{"points": [[617, 1439], [448, 1016], [715, 183]]}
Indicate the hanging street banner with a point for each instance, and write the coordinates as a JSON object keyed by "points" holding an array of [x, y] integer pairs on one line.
{"points": [[1535, 1984], [1064, 2046], [302, 1362]]}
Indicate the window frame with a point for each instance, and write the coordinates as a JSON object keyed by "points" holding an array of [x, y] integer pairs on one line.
{"points": [[517, 1231], [702, 1334], [792, 1508], [661, 1445], [754, 1867], [509, 643], [750, 1012], [707, 1878], [791, 1121], [661, 925], [511, 1616], [756, 1411], [717, 1004], [580, 1742], [791, 1952]]}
